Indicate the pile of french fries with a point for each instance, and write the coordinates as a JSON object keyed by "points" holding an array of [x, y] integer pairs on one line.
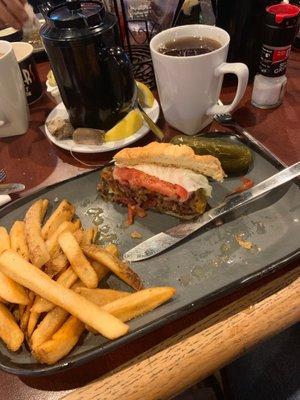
{"points": [[50, 275]]}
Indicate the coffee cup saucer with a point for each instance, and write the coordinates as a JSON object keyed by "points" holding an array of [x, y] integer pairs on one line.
{"points": [[69, 144]]}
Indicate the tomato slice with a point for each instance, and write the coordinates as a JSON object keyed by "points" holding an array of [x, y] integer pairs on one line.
{"points": [[136, 178]]}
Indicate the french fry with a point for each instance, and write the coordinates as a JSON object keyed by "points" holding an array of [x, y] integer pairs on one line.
{"points": [[78, 235], [36, 280], [15, 312], [121, 269], [56, 264], [57, 316], [44, 208], [66, 279], [38, 253], [17, 239], [11, 291], [100, 269], [113, 249], [77, 259], [64, 212], [77, 223], [21, 311], [139, 303], [127, 307], [10, 332], [59, 260], [33, 320], [26, 313], [61, 343], [88, 236], [4, 239], [52, 321], [52, 243], [101, 296]]}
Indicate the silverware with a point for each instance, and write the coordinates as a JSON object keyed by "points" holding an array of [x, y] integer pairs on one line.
{"points": [[7, 188], [152, 125], [2, 175], [228, 120], [162, 241]]}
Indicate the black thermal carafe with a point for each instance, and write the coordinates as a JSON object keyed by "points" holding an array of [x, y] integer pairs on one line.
{"points": [[93, 73]]}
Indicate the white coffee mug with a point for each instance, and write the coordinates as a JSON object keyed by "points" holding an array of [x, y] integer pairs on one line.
{"points": [[13, 104], [189, 87]]}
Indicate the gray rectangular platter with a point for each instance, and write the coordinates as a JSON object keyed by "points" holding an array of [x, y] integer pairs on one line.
{"points": [[203, 268]]}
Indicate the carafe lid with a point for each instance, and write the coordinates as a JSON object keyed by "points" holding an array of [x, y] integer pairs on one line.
{"points": [[75, 20], [77, 14]]}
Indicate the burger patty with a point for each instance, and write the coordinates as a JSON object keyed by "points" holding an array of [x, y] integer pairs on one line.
{"points": [[112, 190]]}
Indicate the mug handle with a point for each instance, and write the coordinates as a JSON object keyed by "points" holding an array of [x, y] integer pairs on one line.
{"points": [[242, 73]]}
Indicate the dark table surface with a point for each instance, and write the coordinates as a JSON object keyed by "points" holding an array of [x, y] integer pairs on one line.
{"points": [[33, 160]]}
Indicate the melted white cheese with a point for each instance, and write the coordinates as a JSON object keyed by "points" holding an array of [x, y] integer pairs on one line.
{"points": [[189, 180]]}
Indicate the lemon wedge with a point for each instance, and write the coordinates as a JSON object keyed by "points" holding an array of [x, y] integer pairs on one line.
{"points": [[51, 79], [126, 127], [145, 96]]}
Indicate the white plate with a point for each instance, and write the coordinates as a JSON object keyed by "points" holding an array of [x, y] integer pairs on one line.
{"points": [[69, 144]]}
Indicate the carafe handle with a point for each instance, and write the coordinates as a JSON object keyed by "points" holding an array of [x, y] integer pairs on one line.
{"points": [[119, 66]]}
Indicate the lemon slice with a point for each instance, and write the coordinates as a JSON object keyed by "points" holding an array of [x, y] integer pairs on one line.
{"points": [[51, 79], [145, 96], [126, 127]]}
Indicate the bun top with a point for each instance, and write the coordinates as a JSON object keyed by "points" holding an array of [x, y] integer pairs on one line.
{"points": [[171, 155]]}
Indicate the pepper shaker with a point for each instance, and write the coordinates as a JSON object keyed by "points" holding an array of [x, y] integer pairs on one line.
{"points": [[281, 24]]}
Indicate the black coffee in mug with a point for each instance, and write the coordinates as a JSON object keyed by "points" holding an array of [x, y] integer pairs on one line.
{"points": [[189, 46]]}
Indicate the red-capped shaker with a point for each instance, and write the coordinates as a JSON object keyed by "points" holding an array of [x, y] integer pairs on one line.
{"points": [[281, 23]]}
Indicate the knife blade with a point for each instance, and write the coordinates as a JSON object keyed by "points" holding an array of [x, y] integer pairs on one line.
{"points": [[163, 240], [7, 188]]}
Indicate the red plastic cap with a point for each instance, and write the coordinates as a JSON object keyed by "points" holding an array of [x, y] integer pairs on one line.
{"points": [[283, 11]]}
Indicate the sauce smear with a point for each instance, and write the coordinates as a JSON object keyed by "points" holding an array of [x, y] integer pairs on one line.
{"points": [[246, 184]]}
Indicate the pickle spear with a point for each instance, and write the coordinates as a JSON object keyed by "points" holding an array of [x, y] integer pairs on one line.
{"points": [[234, 158]]}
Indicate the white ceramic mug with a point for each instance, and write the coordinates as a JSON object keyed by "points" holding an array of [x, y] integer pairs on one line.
{"points": [[189, 87], [13, 104]]}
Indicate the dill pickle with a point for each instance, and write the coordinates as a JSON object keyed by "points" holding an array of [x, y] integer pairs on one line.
{"points": [[234, 158]]}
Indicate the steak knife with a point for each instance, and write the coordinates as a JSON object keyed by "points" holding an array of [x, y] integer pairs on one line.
{"points": [[164, 240]]}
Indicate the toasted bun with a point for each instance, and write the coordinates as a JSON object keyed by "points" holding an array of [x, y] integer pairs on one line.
{"points": [[171, 155]]}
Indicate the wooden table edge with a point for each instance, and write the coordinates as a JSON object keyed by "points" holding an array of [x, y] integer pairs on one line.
{"points": [[194, 353]]}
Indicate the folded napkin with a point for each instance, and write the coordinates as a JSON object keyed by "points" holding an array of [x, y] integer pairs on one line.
{"points": [[4, 198], [32, 24]]}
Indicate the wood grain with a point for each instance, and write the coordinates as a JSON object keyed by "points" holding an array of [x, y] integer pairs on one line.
{"points": [[196, 352]]}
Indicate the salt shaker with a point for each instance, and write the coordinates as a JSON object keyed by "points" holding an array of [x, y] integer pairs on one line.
{"points": [[279, 32]]}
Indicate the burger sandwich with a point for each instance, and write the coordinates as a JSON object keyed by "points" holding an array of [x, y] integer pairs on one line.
{"points": [[163, 177]]}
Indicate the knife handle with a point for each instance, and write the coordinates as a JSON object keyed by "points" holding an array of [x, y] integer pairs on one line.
{"points": [[7, 188]]}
